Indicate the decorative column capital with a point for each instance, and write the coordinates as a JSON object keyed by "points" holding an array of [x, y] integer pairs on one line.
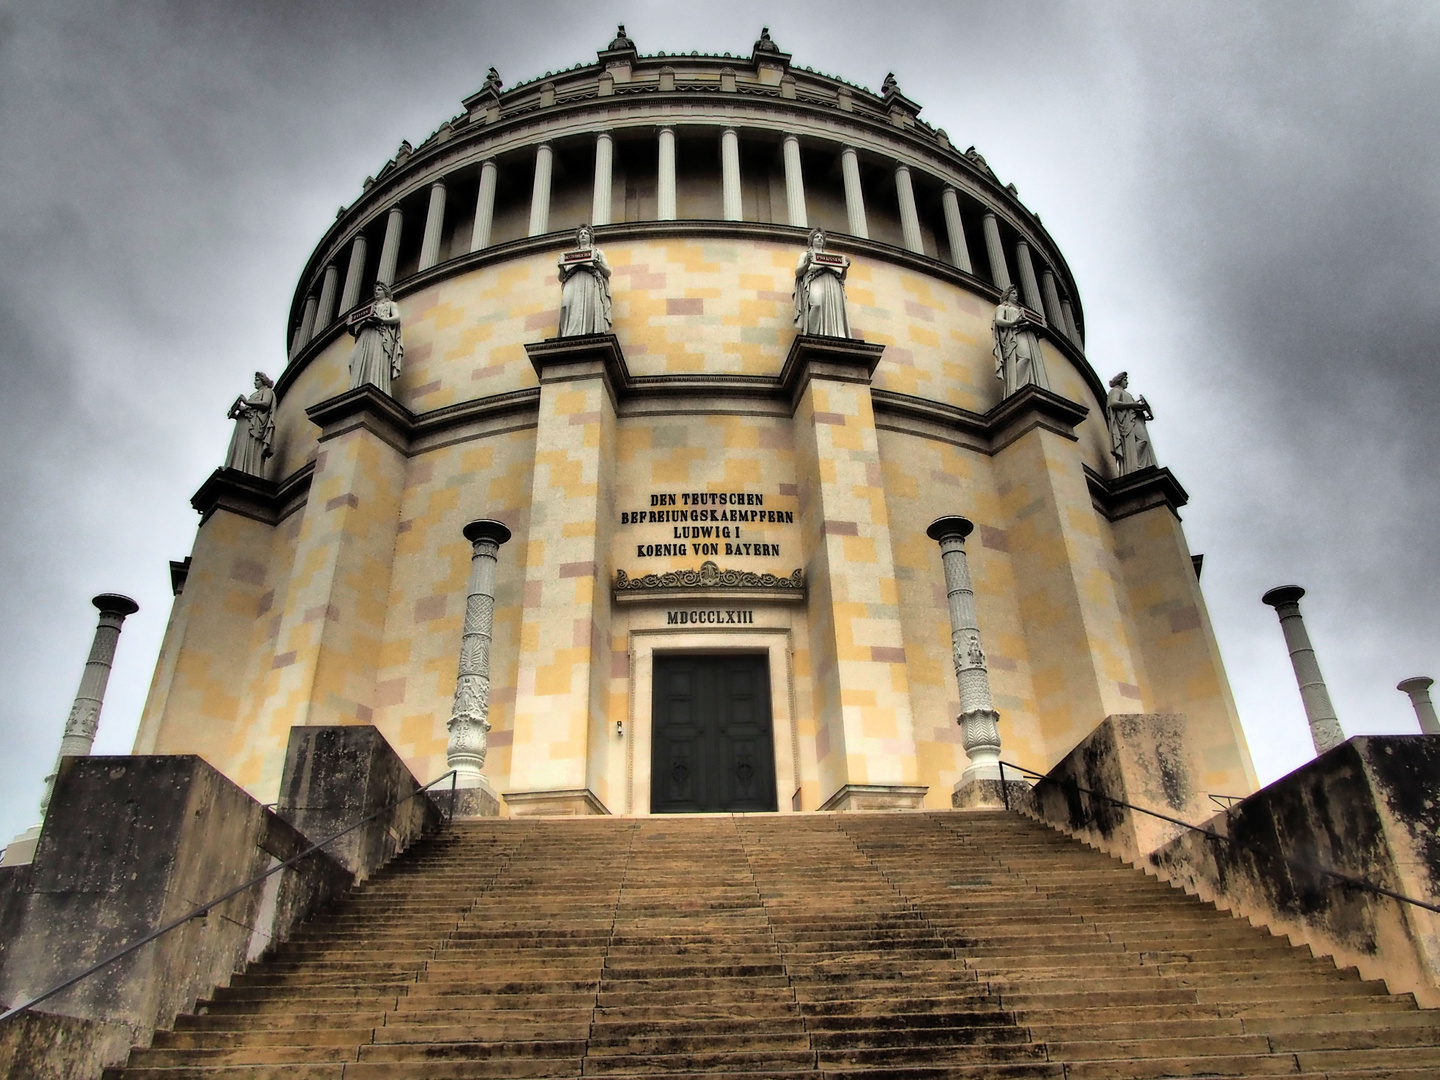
{"points": [[115, 605], [1283, 596], [952, 526], [1417, 685], [484, 529]]}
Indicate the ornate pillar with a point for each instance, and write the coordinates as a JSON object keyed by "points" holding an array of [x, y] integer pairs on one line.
{"points": [[854, 194], [484, 206], [470, 715], [85, 713], [999, 272], [909, 218], [1419, 690], [955, 229], [1029, 285], [325, 313], [540, 192], [1054, 315], [356, 270], [604, 167], [730, 175], [306, 327], [390, 248], [979, 730], [434, 226], [665, 183], [1324, 725], [794, 183]]}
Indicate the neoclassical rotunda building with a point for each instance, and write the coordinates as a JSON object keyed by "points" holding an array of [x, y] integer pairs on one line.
{"points": [[657, 496]]}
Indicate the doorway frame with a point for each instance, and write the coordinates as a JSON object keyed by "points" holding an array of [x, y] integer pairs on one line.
{"points": [[775, 644]]}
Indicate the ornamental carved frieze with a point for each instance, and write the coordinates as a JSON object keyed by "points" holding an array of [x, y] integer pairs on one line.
{"points": [[710, 576]]}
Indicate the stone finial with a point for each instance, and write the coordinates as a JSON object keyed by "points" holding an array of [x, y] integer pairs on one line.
{"points": [[978, 720], [1419, 690], [1325, 730]]}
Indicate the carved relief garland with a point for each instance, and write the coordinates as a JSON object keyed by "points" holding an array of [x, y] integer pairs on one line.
{"points": [[709, 576]]}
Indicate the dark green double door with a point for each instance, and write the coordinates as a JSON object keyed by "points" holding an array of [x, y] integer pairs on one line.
{"points": [[714, 746]]}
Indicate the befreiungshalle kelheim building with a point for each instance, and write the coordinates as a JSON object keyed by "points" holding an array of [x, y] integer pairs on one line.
{"points": [[704, 439]]}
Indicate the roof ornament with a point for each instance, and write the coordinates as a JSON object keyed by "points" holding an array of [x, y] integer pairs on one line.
{"points": [[977, 158], [622, 40], [764, 44], [889, 86], [493, 82]]}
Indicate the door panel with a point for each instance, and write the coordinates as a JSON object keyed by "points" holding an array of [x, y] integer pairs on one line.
{"points": [[713, 735]]}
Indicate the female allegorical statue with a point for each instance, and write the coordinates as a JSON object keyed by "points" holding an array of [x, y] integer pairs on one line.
{"points": [[1129, 439], [378, 351], [254, 428], [820, 290], [1017, 350], [584, 288]]}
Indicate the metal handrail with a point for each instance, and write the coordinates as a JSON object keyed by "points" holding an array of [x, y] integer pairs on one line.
{"points": [[204, 909], [1298, 864]]}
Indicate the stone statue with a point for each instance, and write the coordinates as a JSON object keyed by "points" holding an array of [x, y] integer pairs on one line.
{"points": [[378, 351], [622, 40], [765, 44], [254, 428], [493, 80], [584, 288], [1017, 350], [820, 290], [1129, 441], [890, 85]]}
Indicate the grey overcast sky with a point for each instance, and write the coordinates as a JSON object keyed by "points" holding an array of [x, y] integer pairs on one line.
{"points": [[1247, 199]]}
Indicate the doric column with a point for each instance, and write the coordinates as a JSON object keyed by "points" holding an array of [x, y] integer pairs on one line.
{"points": [[665, 183], [794, 184], [434, 226], [1054, 315], [1325, 729], [1029, 285], [909, 218], [325, 313], [85, 713], [955, 229], [484, 206], [306, 327], [730, 175], [1419, 690], [540, 192], [979, 730], [604, 167], [854, 194], [390, 248], [1071, 327], [999, 272], [470, 715], [356, 270]]}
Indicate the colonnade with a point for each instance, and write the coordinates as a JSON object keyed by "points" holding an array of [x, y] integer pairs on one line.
{"points": [[1038, 291]]}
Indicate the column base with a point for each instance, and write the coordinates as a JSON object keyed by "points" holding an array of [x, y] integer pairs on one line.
{"points": [[476, 801], [985, 793], [876, 797], [573, 802]]}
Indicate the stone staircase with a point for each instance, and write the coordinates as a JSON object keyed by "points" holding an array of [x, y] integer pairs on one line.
{"points": [[964, 945]]}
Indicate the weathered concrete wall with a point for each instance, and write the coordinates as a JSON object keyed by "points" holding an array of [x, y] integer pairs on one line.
{"points": [[1369, 809], [130, 844], [334, 776], [1147, 760]]}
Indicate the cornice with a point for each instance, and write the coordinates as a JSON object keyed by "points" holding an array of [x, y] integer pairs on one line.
{"points": [[255, 497], [1023, 411], [1134, 493], [734, 230]]}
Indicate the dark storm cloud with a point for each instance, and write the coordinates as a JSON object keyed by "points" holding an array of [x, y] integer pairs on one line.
{"points": [[1247, 200]]}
